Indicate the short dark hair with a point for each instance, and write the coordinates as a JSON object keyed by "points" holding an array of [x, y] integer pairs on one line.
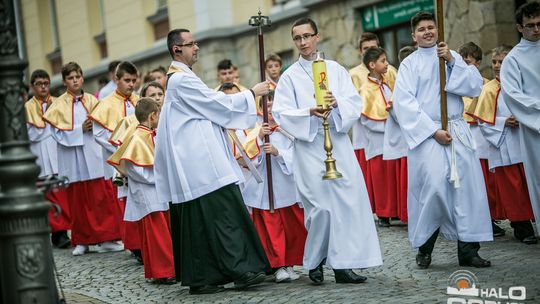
{"points": [[160, 69], [470, 49], [224, 64], [405, 51], [71, 67], [372, 55], [175, 38], [112, 65], [145, 106], [303, 21], [126, 67], [150, 84], [367, 36], [39, 73], [529, 10], [421, 16], [501, 49], [273, 57]]}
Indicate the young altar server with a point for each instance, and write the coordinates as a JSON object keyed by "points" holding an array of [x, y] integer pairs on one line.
{"points": [[376, 95], [359, 76], [135, 159], [472, 55], [44, 148], [501, 129], [282, 233], [520, 81], [94, 213], [338, 215], [447, 194]]}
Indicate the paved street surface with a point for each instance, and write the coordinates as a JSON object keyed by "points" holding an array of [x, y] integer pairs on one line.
{"points": [[117, 278]]}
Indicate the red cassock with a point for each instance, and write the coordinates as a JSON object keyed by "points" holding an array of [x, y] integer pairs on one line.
{"points": [[384, 176], [361, 157], [131, 231], [402, 188], [60, 221], [495, 208], [512, 192], [282, 234], [95, 212], [157, 245]]}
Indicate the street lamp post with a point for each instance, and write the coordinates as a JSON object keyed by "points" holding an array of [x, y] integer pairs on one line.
{"points": [[26, 272]]}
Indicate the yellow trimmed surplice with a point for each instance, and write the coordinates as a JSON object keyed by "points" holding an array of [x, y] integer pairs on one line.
{"points": [[112, 109], [137, 149], [125, 128], [374, 103], [34, 111], [60, 112], [469, 105], [486, 109]]}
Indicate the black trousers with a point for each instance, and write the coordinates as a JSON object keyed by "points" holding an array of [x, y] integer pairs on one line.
{"points": [[522, 229], [214, 240], [466, 250]]}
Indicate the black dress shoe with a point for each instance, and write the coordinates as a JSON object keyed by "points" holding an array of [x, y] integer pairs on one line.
{"points": [[477, 262], [248, 279], [164, 281], [60, 239], [497, 230], [348, 276], [206, 289], [530, 240], [317, 275], [384, 222], [423, 260]]}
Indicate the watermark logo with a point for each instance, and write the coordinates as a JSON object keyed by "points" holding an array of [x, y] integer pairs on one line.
{"points": [[463, 284]]}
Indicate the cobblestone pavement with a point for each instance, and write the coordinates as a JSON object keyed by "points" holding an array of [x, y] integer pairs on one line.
{"points": [[117, 278]]}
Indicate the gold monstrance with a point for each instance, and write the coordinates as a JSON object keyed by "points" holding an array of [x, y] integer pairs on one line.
{"points": [[320, 81]]}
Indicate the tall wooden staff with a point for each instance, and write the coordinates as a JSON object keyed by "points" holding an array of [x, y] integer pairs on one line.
{"points": [[442, 66], [260, 22]]}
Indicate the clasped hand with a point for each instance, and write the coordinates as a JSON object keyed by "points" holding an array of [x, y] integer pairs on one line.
{"points": [[324, 113]]}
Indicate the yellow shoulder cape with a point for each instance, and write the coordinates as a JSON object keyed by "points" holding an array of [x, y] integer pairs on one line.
{"points": [[60, 113], [34, 112], [359, 75], [137, 149], [486, 109], [374, 103], [469, 105], [112, 109], [125, 128]]}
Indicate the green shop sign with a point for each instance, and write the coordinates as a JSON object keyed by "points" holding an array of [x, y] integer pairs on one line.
{"points": [[393, 12]]}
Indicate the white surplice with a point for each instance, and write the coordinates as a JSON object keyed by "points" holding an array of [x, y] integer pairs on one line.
{"points": [[79, 154], [44, 147], [142, 197], [446, 185], [256, 194], [337, 213], [107, 89], [193, 156], [504, 144], [374, 129], [520, 83], [394, 145]]}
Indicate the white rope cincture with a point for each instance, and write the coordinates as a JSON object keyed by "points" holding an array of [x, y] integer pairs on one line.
{"points": [[454, 176]]}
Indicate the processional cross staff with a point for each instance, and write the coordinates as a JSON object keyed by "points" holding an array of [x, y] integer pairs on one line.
{"points": [[442, 66], [261, 21]]}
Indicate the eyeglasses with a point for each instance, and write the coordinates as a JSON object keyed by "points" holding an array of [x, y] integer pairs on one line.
{"points": [[42, 84], [191, 44], [532, 26], [306, 37]]}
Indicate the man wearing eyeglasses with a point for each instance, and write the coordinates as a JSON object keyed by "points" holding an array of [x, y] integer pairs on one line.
{"points": [[338, 216], [520, 83], [44, 148], [214, 241]]}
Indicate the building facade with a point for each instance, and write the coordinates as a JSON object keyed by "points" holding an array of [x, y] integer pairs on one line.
{"points": [[95, 32]]}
